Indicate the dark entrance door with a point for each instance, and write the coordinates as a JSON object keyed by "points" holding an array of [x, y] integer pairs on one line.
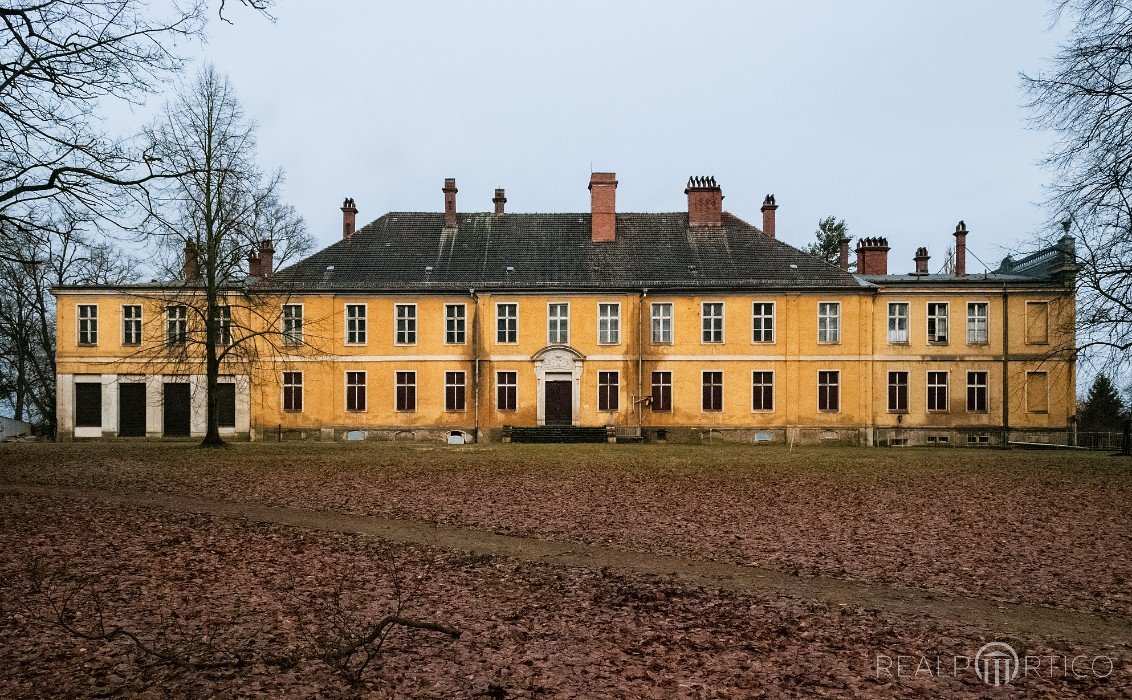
{"points": [[559, 403], [131, 409], [176, 413]]}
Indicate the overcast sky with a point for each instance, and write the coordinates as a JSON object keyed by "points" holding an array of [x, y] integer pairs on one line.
{"points": [[900, 117]]}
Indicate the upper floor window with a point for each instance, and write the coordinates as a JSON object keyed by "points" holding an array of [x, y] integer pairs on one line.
{"points": [[711, 313], [762, 391], [829, 391], [224, 325], [977, 392], [662, 323], [937, 391], [977, 330], [454, 391], [558, 324], [131, 324], [829, 322], [898, 322], [1037, 322], [176, 325], [762, 322], [713, 391], [662, 391], [897, 392], [607, 391], [292, 324], [406, 320], [507, 323], [88, 324], [355, 324], [937, 323], [455, 323], [1037, 392], [609, 324]]}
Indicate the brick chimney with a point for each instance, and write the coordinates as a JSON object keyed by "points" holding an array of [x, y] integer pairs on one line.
{"points": [[190, 269], [266, 258], [449, 202], [921, 260], [960, 249], [253, 263], [603, 207], [768, 215], [705, 202], [499, 200], [872, 256], [349, 218], [843, 253]]}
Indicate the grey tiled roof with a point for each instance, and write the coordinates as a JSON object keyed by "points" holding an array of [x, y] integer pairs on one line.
{"points": [[412, 251]]}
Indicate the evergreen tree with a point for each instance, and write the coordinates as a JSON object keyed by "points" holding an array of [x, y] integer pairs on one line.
{"points": [[1103, 410], [828, 244]]}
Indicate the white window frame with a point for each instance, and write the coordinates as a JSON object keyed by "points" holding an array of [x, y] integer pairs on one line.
{"points": [[127, 321], [346, 390], [512, 323], [946, 391], [773, 391], [464, 376], [182, 320], [928, 318], [722, 391], [617, 394], [832, 332], [705, 330], [613, 323], [906, 318], [973, 323], [91, 325], [292, 332], [772, 319], [985, 387], [410, 330], [907, 391], [840, 394], [416, 392], [224, 324], [556, 338], [460, 324], [515, 374], [283, 391], [655, 318], [362, 331]]}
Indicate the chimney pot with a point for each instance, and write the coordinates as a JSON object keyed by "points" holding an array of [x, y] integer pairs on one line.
{"points": [[705, 202], [603, 207], [768, 210], [449, 202], [921, 260], [960, 249], [872, 256], [499, 200], [349, 218]]}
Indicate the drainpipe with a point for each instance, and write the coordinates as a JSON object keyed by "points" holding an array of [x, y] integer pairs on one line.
{"points": [[475, 360], [1005, 369], [641, 363]]}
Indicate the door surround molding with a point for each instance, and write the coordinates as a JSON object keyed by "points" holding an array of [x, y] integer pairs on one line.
{"points": [[558, 362]]}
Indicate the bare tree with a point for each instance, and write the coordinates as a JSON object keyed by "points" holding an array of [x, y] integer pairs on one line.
{"points": [[218, 210], [1086, 99]]}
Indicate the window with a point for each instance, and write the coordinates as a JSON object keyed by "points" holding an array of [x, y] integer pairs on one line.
{"points": [[938, 439], [88, 324], [977, 330], [176, 325], [1037, 392], [829, 322], [762, 322], [607, 391], [355, 324], [506, 323], [662, 391], [558, 324], [662, 324], [406, 391], [977, 392], [406, 322], [292, 324], [1037, 322], [713, 391], [226, 405], [455, 322], [937, 323], [762, 391], [506, 390], [937, 391], [355, 391], [897, 392], [978, 438], [454, 391], [88, 405], [292, 391], [712, 317], [224, 324], [829, 391], [898, 322], [131, 325], [609, 324]]}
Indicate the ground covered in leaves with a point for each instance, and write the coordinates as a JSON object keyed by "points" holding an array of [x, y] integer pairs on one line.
{"points": [[1035, 527]]}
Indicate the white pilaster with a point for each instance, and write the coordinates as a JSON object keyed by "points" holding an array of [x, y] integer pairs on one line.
{"points": [[65, 403], [110, 405], [153, 406], [198, 405]]}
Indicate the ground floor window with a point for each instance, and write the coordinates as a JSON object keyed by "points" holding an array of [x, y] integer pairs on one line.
{"points": [[937, 391], [355, 391], [898, 392], [292, 391], [661, 391], [607, 391], [506, 391], [829, 391], [977, 392], [762, 391], [226, 405], [406, 391], [713, 391], [88, 405], [454, 391]]}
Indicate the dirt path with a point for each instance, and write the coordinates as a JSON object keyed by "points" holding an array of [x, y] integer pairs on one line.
{"points": [[998, 618]]}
